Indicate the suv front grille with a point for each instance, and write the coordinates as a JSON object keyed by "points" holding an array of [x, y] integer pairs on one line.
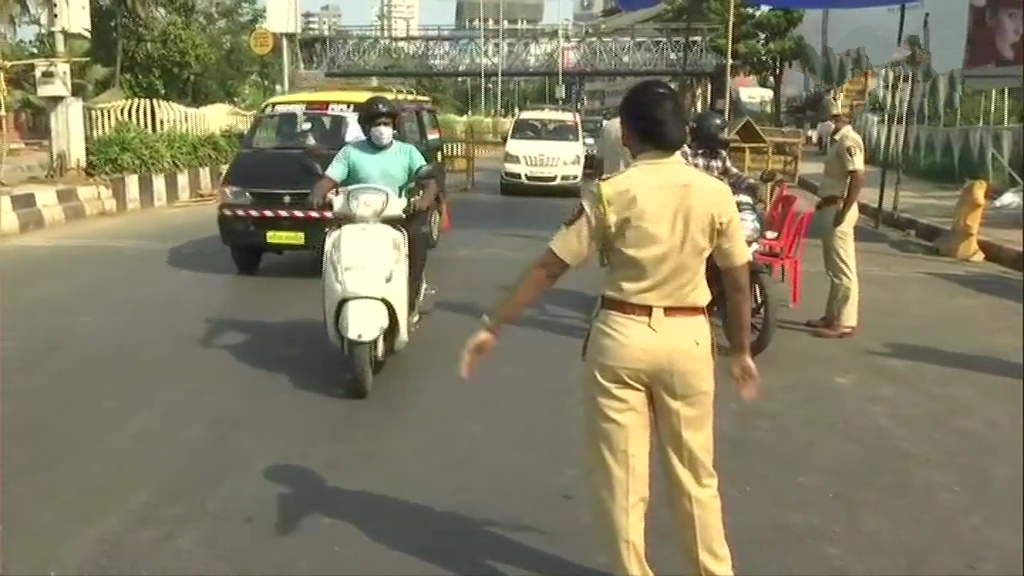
{"points": [[541, 161], [279, 198]]}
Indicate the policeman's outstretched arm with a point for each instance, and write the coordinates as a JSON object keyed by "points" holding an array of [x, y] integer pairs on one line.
{"points": [[571, 246]]}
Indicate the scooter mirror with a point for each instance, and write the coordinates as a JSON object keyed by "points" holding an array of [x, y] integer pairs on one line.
{"points": [[768, 176]]}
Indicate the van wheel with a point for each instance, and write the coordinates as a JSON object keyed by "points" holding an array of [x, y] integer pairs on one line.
{"points": [[247, 260], [434, 227]]}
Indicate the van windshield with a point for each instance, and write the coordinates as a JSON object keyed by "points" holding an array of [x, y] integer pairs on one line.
{"points": [[536, 129], [296, 130]]}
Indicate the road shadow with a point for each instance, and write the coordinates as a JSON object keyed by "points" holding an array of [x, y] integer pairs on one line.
{"points": [[296, 349], [957, 360], [210, 256], [987, 283], [562, 312], [900, 242], [452, 542], [516, 215]]}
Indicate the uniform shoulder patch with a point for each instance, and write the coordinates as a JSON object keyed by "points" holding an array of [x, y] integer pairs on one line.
{"points": [[852, 150]]}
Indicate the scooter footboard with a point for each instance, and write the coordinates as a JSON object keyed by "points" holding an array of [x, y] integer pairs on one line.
{"points": [[363, 319]]}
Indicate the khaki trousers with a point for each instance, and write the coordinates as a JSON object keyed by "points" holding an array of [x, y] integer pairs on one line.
{"points": [[840, 254], [638, 371]]}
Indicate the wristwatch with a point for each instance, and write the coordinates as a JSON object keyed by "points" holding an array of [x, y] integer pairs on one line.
{"points": [[486, 324]]}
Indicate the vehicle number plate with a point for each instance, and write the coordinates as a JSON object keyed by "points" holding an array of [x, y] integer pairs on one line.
{"points": [[542, 174], [289, 238]]}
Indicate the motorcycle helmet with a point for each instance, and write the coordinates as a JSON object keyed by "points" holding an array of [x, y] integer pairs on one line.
{"points": [[374, 108], [708, 131]]}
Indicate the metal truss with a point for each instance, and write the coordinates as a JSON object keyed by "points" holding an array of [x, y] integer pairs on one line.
{"points": [[642, 50]]}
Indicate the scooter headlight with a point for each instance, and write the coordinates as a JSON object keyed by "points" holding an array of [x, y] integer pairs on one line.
{"points": [[365, 204]]}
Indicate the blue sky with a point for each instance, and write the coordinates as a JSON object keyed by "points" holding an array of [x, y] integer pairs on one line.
{"points": [[432, 12]]}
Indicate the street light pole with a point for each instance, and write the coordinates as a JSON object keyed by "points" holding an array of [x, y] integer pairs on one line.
{"points": [[501, 52], [483, 58], [728, 58], [560, 88]]}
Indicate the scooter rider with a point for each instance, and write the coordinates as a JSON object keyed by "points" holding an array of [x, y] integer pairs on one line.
{"points": [[708, 151], [383, 161]]}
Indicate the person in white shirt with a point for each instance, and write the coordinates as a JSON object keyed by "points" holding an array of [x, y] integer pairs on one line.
{"points": [[825, 129], [614, 156]]}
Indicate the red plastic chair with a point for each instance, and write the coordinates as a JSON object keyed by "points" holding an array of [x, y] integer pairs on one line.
{"points": [[780, 207], [779, 219], [788, 260]]}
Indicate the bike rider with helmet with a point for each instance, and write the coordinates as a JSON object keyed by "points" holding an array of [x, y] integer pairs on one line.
{"points": [[708, 151], [383, 161]]}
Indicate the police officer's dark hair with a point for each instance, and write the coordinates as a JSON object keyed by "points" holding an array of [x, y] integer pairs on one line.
{"points": [[653, 111]]}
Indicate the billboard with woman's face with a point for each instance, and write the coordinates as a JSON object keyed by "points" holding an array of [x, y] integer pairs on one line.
{"points": [[994, 52]]}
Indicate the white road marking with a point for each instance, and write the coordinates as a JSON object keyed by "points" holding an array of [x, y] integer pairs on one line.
{"points": [[29, 242]]}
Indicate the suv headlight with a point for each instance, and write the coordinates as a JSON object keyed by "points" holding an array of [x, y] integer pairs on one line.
{"points": [[234, 195], [365, 204], [573, 161], [512, 159]]}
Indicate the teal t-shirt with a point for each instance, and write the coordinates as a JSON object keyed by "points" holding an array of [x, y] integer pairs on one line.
{"points": [[363, 163]]}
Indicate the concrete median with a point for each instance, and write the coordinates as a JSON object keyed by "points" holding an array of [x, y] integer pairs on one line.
{"points": [[36, 206]]}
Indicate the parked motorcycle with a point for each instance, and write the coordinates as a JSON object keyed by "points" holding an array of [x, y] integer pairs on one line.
{"points": [[764, 307], [365, 280]]}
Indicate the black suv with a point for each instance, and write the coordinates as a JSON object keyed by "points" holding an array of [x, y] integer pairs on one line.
{"points": [[264, 195]]}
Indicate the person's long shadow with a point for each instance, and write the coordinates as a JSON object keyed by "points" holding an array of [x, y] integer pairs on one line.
{"points": [[451, 541]]}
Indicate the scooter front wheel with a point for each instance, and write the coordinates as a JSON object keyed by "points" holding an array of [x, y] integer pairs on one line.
{"points": [[362, 357]]}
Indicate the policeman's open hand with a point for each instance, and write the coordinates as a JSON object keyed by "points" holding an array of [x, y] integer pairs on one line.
{"points": [[480, 344], [745, 375]]}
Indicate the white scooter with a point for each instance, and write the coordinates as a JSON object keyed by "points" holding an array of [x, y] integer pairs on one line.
{"points": [[366, 280]]}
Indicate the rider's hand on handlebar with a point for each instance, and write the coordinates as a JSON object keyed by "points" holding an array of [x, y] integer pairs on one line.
{"points": [[422, 204]]}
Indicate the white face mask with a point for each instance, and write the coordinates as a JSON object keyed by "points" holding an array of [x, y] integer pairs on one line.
{"points": [[382, 135]]}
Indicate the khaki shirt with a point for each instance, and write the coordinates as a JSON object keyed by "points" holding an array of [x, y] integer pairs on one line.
{"points": [[656, 223], [614, 156], [846, 155]]}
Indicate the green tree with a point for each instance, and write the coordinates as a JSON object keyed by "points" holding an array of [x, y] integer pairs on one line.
{"points": [[764, 41], [186, 51]]}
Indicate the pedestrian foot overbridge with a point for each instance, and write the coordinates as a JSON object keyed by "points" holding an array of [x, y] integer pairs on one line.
{"points": [[163, 415], [540, 50]]}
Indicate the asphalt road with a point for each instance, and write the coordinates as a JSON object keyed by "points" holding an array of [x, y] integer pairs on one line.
{"points": [[164, 416]]}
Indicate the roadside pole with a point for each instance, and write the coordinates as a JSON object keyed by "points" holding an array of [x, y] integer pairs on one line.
{"points": [[53, 83]]}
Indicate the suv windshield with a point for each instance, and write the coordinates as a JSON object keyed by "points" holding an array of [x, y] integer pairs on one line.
{"points": [[537, 129], [292, 130], [592, 127]]}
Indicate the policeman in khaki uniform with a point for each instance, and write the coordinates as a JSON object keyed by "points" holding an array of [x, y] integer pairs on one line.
{"points": [[844, 178], [648, 358]]}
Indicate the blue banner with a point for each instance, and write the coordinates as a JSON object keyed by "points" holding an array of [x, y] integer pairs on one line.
{"points": [[634, 5], [828, 4]]}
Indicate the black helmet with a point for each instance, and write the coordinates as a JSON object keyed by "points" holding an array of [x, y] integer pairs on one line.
{"points": [[375, 107], [708, 131]]}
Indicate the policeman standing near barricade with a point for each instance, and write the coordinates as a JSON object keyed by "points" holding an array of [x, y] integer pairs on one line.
{"points": [[839, 192], [648, 356]]}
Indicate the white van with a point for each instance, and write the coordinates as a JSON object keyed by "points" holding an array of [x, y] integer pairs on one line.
{"points": [[544, 152]]}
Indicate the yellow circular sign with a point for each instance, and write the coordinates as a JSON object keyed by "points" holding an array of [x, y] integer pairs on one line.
{"points": [[261, 42]]}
